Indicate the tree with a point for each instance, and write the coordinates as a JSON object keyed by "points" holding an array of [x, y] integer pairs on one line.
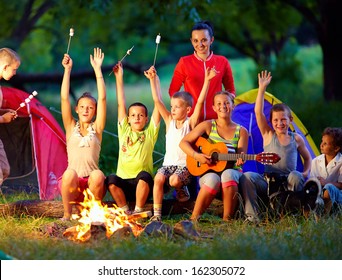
{"points": [[257, 29], [324, 15]]}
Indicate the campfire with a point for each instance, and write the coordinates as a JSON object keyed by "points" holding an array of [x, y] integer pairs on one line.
{"points": [[95, 214]]}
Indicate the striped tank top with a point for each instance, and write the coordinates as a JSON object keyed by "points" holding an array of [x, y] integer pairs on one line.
{"points": [[231, 144]]}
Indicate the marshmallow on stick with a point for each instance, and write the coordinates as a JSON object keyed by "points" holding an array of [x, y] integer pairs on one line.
{"points": [[157, 43], [71, 33], [27, 100], [127, 53]]}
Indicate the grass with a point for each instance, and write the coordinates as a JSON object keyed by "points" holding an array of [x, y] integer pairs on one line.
{"points": [[291, 238]]}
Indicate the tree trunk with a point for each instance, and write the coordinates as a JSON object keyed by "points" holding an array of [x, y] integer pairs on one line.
{"points": [[332, 55]]}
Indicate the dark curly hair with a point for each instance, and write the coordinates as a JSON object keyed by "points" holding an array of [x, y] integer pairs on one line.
{"points": [[336, 134]]}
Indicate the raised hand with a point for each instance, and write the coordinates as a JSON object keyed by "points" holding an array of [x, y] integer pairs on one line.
{"points": [[67, 61], [151, 73], [97, 59], [211, 73], [264, 78], [118, 69]]}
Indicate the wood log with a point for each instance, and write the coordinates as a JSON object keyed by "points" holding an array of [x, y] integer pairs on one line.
{"points": [[54, 208]]}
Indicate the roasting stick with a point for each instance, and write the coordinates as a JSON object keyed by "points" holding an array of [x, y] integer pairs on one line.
{"points": [[71, 33], [127, 53], [157, 43], [27, 100]]}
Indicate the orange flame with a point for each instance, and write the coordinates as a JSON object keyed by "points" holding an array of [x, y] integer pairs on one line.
{"points": [[94, 213]]}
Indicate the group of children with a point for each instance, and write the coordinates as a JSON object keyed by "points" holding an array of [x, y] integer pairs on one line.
{"points": [[134, 179]]}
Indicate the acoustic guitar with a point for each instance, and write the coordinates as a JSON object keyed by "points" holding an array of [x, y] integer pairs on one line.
{"points": [[219, 157]]}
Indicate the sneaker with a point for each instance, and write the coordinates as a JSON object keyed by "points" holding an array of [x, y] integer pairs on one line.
{"points": [[156, 219], [182, 194]]}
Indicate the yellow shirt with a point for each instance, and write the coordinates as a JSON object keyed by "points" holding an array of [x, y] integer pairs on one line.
{"points": [[136, 149]]}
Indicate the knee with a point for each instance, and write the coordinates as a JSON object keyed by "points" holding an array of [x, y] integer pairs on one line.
{"points": [[326, 195], [69, 180], [145, 178], [212, 188], [97, 178], [246, 176], [295, 181], [159, 179], [112, 187], [143, 184], [69, 175], [231, 175], [295, 177], [174, 180]]}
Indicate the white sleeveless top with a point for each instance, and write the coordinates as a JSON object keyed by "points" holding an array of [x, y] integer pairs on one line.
{"points": [[173, 154]]}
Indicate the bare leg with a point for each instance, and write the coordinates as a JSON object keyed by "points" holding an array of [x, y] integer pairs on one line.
{"points": [[327, 202], [118, 195], [142, 192], [96, 184], [158, 188], [230, 200], [70, 191], [203, 200], [175, 181]]}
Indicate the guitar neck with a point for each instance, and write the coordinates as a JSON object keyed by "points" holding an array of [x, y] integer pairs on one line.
{"points": [[234, 157]]}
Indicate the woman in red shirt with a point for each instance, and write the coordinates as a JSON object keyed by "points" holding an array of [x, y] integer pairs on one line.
{"points": [[190, 70]]}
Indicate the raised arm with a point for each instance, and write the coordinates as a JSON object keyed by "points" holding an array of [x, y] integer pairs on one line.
{"points": [[151, 74], [96, 63], [120, 92], [209, 74], [264, 79], [68, 119], [155, 114]]}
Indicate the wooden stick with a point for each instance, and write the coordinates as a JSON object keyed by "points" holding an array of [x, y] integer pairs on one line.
{"points": [[135, 216]]}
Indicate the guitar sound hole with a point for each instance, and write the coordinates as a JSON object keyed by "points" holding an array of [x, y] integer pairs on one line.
{"points": [[214, 157]]}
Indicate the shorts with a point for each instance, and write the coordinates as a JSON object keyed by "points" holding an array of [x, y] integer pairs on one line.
{"points": [[182, 172], [129, 186]]}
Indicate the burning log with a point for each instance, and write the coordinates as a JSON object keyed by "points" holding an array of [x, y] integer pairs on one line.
{"points": [[95, 218], [94, 213]]}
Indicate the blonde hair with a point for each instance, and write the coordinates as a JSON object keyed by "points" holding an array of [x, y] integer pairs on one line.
{"points": [[8, 56], [185, 96]]}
